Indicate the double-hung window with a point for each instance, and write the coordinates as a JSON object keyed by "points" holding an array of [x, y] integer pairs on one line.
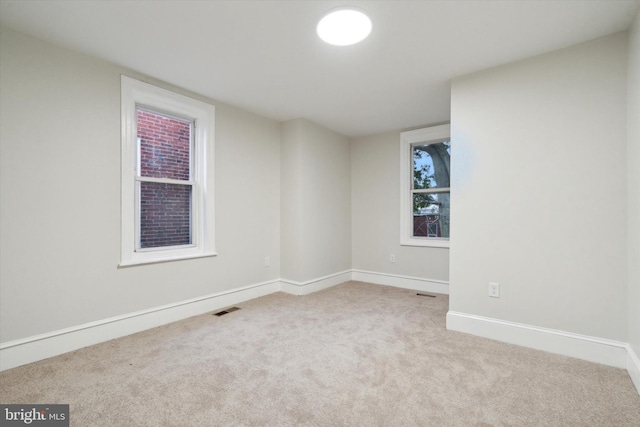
{"points": [[167, 184], [425, 191]]}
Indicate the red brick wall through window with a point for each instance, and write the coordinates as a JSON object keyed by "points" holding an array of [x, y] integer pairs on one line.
{"points": [[165, 208]]}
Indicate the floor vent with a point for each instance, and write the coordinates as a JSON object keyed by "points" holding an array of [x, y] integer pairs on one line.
{"points": [[426, 295], [227, 311]]}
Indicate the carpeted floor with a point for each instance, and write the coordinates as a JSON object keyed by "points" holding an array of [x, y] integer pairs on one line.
{"points": [[353, 355]]}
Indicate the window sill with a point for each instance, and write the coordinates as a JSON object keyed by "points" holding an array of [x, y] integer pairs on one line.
{"points": [[429, 243], [158, 260]]}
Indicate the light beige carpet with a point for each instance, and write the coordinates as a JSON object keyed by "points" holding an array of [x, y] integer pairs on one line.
{"points": [[353, 355]]}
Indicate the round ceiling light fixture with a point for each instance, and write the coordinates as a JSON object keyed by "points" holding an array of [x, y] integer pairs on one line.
{"points": [[344, 26]]}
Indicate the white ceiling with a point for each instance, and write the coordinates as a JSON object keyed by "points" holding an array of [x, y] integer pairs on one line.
{"points": [[264, 56]]}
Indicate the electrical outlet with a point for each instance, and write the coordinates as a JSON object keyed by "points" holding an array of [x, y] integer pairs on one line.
{"points": [[267, 262], [494, 290], [392, 258]]}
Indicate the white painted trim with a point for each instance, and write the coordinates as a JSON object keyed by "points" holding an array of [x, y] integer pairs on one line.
{"points": [[27, 350], [593, 349], [406, 282], [38, 347], [132, 94], [314, 285], [633, 367]]}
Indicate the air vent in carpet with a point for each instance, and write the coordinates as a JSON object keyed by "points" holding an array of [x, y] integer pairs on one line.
{"points": [[426, 295], [227, 311]]}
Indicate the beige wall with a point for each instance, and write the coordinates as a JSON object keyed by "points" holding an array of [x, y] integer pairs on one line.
{"points": [[375, 201], [633, 167], [539, 195], [60, 190], [316, 201], [291, 208]]}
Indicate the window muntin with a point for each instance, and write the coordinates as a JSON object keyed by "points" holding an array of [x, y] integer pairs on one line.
{"points": [[425, 187], [167, 189]]}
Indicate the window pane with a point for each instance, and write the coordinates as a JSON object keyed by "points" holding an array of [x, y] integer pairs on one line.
{"points": [[431, 215], [431, 165], [165, 214], [165, 146]]}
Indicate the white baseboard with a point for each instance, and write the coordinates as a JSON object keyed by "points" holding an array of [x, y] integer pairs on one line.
{"points": [[20, 352], [406, 282], [593, 349], [633, 367], [31, 349], [305, 288]]}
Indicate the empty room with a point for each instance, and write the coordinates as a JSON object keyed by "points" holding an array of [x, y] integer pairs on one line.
{"points": [[320, 213]]}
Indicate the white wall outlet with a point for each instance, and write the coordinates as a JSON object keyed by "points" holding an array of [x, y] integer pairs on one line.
{"points": [[392, 258], [267, 262], [494, 290]]}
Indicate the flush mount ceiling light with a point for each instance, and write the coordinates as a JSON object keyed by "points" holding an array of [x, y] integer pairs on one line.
{"points": [[344, 26]]}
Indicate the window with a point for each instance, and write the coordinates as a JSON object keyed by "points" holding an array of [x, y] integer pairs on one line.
{"points": [[167, 191], [425, 186]]}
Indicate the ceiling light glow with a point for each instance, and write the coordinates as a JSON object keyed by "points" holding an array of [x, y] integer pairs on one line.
{"points": [[343, 27]]}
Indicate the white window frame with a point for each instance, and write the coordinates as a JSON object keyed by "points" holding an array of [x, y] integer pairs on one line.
{"points": [[408, 139], [135, 93]]}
